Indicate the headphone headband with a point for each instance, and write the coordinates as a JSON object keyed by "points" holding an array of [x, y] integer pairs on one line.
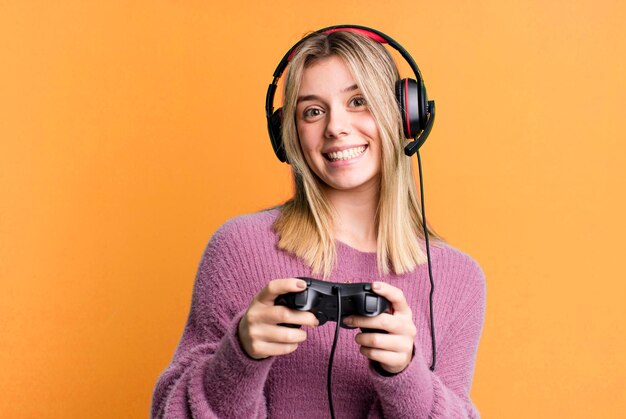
{"points": [[418, 113], [362, 30]]}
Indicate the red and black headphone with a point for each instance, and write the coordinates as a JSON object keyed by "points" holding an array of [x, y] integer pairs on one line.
{"points": [[418, 113]]}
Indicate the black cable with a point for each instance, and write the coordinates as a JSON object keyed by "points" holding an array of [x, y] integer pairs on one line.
{"points": [[432, 290], [332, 354], [430, 272]]}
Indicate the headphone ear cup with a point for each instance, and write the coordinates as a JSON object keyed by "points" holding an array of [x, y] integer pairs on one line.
{"points": [[424, 109], [411, 97], [274, 126]]}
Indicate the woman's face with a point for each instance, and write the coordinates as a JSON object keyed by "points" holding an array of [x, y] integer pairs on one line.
{"points": [[338, 134]]}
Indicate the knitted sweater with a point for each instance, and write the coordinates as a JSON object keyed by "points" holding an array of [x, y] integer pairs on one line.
{"points": [[211, 376]]}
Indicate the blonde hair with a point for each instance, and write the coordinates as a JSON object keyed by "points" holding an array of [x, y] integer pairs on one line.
{"points": [[305, 224]]}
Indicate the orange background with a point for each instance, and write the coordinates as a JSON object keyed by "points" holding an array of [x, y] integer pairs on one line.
{"points": [[129, 131]]}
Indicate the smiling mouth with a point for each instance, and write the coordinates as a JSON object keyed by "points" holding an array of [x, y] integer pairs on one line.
{"points": [[347, 154]]}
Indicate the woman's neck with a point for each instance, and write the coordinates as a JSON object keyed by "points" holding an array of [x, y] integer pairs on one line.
{"points": [[355, 224]]}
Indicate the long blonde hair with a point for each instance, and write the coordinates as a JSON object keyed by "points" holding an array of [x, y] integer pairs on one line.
{"points": [[305, 223]]}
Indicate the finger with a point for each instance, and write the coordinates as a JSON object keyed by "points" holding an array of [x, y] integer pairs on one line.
{"points": [[282, 314], [394, 295], [277, 334], [392, 343], [391, 361], [278, 287], [384, 321]]}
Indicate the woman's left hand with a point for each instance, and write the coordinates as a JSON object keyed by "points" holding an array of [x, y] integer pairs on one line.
{"points": [[394, 350]]}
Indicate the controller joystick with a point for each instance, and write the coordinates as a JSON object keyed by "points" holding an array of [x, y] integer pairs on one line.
{"points": [[320, 298]]}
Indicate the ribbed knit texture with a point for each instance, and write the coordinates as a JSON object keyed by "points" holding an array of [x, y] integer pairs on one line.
{"points": [[211, 377]]}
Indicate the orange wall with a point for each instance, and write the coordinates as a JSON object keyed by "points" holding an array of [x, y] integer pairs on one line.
{"points": [[130, 130]]}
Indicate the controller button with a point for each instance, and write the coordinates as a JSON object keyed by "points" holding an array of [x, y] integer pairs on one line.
{"points": [[371, 304], [301, 299]]}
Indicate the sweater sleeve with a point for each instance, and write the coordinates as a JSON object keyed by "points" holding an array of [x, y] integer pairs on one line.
{"points": [[418, 392], [210, 375]]}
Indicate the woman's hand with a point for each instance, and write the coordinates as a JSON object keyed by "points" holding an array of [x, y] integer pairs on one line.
{"points": [[394, 350], [259, 332]]}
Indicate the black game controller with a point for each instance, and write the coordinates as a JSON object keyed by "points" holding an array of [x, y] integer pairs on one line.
{"points": [[320, 298]]}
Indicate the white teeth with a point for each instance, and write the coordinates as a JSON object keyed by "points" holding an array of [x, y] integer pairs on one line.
{"points": [[346, 154]]}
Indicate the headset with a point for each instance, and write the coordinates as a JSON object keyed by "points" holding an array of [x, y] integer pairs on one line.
{"points": [[418, 113]]}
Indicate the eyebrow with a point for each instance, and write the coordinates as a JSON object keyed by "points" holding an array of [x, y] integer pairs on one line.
{"points": [[314, 97]]}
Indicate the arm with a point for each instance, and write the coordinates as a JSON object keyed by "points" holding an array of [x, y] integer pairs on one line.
{"points": [[210, 376], [444, 393]]}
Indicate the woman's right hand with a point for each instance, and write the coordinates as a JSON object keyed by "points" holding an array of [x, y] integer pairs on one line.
{"points": [[259, 332]]}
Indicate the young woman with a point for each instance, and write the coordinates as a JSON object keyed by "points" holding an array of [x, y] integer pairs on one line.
{"points": [[354, 217]]}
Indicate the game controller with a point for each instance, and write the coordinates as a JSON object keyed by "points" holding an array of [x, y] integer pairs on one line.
{"points": [[320, 298]]}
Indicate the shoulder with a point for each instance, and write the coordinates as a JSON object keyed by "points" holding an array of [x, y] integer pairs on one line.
{"points": [[243, 239], [460, 270], [247, 227], [237, 244], [461, 260]]}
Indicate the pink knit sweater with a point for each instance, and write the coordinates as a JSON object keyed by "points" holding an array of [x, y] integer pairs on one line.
{"points": [[211, 377]]}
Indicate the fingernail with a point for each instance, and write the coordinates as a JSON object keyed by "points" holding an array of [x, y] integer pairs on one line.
{"points": [[376, 285], [348, 320], [301, 284]]}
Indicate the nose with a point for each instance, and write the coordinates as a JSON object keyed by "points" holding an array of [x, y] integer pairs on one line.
{"points": [[338, 122]]}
